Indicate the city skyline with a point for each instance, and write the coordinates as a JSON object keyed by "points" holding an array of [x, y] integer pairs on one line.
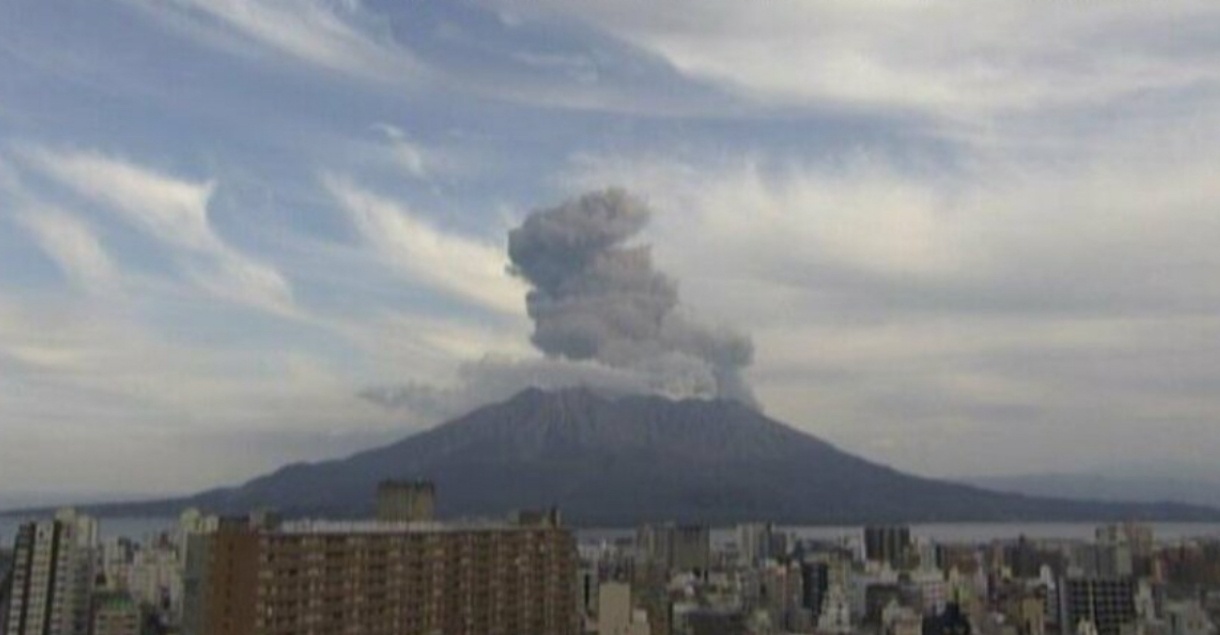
{"points": [[960, 242]]}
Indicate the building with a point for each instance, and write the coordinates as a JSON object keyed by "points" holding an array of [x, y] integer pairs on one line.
{"points": [[709, 621], [385, 578], [835, 616], [781, 595], [406, 501], [115, 614], [675, 547], [755, 542], [151, 573], [1138, 536], [616, 614], [815, 580], [888, 544], [6, 585], [53, 571], [952, 621], [1102, 560], [930, 589], [195, 599], [1188, 618], [1135, 540], [900, 620], [588, 583], [1106, 603]]}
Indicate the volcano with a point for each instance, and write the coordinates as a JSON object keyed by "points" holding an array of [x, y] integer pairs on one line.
{"points": [[618, 461]]}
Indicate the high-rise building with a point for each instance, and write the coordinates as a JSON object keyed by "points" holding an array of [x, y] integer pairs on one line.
{"points": [[1106, 603], [815, 580], [53, 570], [406, 501], [1133, 541], [1102, 560], [888, 544], [675, 547], [383, 578], [6, 584], [754, 542]]}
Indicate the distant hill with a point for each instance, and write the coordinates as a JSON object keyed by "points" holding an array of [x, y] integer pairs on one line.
{"points": [[1123, 487], [619, 461]]}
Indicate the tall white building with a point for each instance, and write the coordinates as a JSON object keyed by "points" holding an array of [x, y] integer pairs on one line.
{"points": [[754, 541], [53, 571]]}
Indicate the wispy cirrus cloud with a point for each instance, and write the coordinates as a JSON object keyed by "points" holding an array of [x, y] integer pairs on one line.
{"points": [[1014, 298], [407, 154], [953, 60], [471, 270], [174, 212], [74, 246], [340, 36]]}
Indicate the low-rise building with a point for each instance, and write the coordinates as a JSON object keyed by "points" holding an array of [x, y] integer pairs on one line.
{"points": [[115, 614]]}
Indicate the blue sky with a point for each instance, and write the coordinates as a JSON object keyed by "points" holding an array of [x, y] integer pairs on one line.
{"points": [[964, 240]]}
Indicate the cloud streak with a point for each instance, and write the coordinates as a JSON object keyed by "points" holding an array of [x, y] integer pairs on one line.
{"points": [[898, 58], [338, 36], [468, 269], [173, 212], [75, 248]]}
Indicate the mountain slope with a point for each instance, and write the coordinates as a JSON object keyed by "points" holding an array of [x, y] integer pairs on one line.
{"points": [[617, 461], [1199, 489]]}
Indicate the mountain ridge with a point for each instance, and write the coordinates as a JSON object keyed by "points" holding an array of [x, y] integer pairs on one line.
{"points": [[620, 460]]}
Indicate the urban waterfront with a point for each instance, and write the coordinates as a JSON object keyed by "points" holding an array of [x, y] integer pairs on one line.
{"points": [[404, 570], [139, 528]]}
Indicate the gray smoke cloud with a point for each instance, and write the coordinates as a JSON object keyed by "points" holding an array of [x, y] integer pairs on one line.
{"points": [[603, 317], [596, 297]]}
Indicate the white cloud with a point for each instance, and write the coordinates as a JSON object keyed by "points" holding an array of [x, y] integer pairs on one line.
{"points": [[410, 156], [342, 37], [468, 269], [1123, 224], [75, 373], [948, 59], [1010, 301], [74, 247], [175, 212], [740, 219]]}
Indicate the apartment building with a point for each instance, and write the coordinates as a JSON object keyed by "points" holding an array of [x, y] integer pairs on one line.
{"points": [[371, 578]]}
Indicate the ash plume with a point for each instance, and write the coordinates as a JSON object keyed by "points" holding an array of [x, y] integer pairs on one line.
{"points": [[604, 319], [597, 297]]}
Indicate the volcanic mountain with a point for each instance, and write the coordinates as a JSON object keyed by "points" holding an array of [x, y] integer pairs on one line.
{"points": [[613, 461]]}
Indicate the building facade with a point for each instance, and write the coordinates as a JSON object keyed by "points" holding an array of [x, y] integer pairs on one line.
{"points": [[385, 578], [675, 547], [1107, 604], [53, 570], [888, 544], [406, 501], [115, 614]]}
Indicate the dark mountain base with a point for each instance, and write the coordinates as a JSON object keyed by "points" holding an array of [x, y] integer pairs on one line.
{"points": [[621, 461]]}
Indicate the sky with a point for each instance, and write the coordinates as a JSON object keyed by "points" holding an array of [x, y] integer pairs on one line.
{"points": [[963, 239]]}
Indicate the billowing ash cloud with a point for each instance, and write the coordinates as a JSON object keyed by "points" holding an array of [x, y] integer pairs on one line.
{"points": [[595, 297], [603, 317], [493, 379]]}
